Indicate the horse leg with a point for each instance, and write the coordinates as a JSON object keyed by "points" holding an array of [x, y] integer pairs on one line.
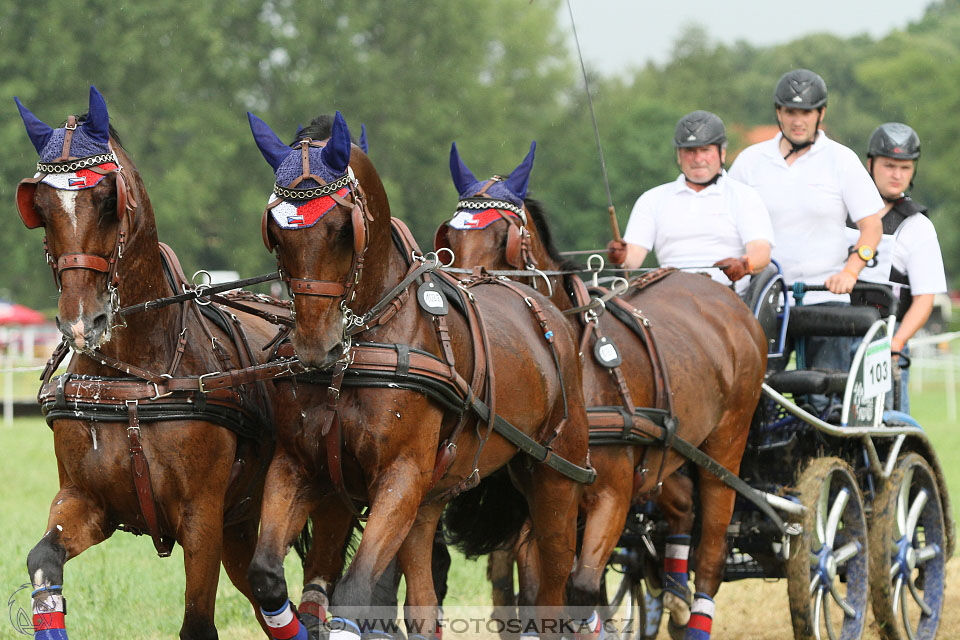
{"points": [[676, 504], [239, 543], [200, 533], [553, 502], [415, 559], [282, 516], [393, 510], [606, 505], [74, 524], [324, 559], [726, 446]]}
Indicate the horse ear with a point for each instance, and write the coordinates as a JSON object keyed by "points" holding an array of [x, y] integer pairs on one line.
{"points": [[38, 130], [363, 137], [97, 125], [519, 178], [336, 154], [272, 147], [463, 179]]}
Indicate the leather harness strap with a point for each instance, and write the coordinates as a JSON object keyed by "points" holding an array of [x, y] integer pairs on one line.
{"points": [[141, 481]]}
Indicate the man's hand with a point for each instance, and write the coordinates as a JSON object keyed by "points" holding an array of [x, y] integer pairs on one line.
{"points": [[617, 251], [734, 268], [841, 282]]}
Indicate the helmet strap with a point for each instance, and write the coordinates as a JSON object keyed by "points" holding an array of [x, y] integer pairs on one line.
{"points": [[707, 183]]}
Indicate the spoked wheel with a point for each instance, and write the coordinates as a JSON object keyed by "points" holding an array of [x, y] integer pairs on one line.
{"points": [[828, 570], [908, 556], [630, 604]]}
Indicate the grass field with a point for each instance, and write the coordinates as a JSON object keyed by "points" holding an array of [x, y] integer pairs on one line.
{"points": [[121, 588]]}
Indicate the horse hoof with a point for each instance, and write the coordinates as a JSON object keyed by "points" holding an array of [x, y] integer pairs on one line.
{"points": [[679, 608], [314, 627], [676, 631]]}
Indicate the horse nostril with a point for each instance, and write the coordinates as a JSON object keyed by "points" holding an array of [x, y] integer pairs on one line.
{"points": [[100, 322]]}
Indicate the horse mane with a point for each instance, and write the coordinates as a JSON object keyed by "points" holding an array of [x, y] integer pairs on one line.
{"points": [[320, 128], [536, 210]]}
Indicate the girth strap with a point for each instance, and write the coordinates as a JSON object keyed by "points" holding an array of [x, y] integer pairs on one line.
{"points": [[141, 481]]}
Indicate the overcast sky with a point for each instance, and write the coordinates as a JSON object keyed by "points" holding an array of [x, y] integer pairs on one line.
{"points": [[618, 34]]}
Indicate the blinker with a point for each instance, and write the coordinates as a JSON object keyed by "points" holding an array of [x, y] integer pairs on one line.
{"points": [[26, 191]]}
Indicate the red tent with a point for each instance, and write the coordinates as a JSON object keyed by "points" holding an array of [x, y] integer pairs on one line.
{"points": [[12, 313]]}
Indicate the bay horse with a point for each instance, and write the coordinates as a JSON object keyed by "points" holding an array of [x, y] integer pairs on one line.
{"points": [[141, 444], [714, 355], [400, 430]]}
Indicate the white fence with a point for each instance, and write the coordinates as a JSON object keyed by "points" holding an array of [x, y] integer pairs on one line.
{"points": [[935, 359]]}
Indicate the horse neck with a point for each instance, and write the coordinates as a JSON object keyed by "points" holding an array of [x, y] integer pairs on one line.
{"points": [[146, 338], [384, 265]]}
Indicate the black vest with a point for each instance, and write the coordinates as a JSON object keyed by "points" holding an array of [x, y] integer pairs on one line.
{"points": [[902, 209]]}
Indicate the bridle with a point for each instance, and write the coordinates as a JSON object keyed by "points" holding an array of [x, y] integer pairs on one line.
{"points": [[126, 212], [519, 254], [345, 288]]}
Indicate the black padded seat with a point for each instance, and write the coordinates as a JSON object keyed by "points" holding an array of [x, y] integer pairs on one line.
{"points": [[806, 381], [828, 320]]}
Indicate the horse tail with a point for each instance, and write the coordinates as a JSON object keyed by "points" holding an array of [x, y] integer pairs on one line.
{"points": [[304, 541], [486, 518]]}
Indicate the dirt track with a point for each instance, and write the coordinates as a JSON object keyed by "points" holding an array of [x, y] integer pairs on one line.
{"points": [[755, 610]]}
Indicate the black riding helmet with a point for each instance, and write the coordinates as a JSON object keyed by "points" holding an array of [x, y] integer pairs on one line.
{"points": [[699, 129], [801, 89], [894, 140]]}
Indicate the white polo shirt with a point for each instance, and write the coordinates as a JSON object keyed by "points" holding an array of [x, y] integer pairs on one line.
{"points": [[808, 203], [690, 228], [913, 250]]}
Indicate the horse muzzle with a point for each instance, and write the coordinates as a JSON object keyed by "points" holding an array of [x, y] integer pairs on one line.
{"points": [[87, 332]]}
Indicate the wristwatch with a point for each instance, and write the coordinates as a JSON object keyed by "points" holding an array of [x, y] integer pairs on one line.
{"points": [[865, 253]]}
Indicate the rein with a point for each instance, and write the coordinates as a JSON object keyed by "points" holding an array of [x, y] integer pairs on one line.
{"points": [[200, 291]]}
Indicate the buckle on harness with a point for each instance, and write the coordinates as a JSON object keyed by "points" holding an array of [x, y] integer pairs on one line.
{"points": [[200, 381]]}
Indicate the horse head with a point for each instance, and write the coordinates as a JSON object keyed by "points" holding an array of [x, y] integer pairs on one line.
{"points": [[496, 206], [328, 221], [85, 195]]}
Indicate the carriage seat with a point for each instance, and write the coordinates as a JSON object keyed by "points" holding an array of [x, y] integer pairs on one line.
{"points": [[806, 381], [820, 320]]}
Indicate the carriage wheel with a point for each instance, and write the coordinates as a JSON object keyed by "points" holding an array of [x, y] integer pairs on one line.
{"points": [[630, 604], [828, 567], [907, 553]]}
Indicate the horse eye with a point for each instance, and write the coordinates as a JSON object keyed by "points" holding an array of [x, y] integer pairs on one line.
{"points": [[109, 206]]}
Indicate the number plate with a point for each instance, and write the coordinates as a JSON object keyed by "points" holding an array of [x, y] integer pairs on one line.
{"points": [[877, 375]]}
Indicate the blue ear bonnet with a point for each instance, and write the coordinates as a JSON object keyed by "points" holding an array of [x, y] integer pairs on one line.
{"points": [[513, 188], [291, 168], [498, 190], [90, 138], [81, 146]]}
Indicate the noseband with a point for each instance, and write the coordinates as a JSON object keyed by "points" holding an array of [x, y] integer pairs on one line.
{"points": [[359, 218], [518, 251], [126, 210]]}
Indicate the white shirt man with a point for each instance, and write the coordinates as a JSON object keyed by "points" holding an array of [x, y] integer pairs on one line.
{"points": [[693, 228], [809, 198], [702, 218]]}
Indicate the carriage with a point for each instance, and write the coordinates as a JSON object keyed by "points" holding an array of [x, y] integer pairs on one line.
{"points": [[781, 527], [857, 511]]}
